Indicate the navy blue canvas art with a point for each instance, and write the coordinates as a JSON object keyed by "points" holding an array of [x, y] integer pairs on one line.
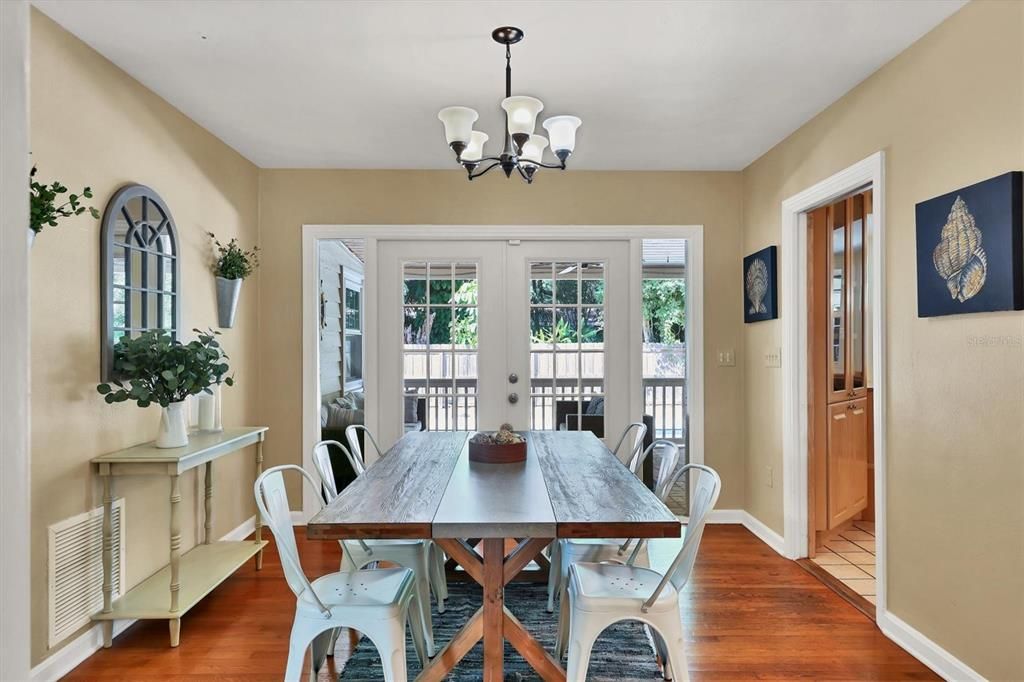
{"points": [[760, 301], [970, 254]]}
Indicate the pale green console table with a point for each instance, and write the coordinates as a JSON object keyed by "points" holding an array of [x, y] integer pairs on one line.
{"points": [[172, 591]]}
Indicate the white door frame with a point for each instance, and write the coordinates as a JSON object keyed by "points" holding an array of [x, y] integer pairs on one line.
{"points": [[794, 351], [15, 613], [312, 234]]}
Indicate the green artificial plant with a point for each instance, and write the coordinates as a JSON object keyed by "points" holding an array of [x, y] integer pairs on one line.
{"points": [[232, 261], [44, 211], [154, 368]]}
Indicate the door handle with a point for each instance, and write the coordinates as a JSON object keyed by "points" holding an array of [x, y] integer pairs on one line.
{"points": [[513, 398], [513, 378]]}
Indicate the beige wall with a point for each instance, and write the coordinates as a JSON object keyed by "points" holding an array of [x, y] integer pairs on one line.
{"points": [[94, 125], [289, 199], [948, 112]]}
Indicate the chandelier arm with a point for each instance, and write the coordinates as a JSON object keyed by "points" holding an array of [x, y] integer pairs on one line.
{"points": [[556, 166], [484, 171]]}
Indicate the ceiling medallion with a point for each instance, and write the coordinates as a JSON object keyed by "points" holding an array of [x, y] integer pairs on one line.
{"points": [[523, 151]]}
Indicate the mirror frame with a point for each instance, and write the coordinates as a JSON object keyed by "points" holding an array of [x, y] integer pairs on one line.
{"points": [[111, 213]]}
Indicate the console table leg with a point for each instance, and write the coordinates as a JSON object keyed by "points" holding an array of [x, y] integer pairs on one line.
{"points": [[108, 559], [208, 504], [175, 557], [259, 521], [174, 624]]}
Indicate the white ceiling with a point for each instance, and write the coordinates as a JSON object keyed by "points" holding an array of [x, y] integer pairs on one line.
{"points": [[663, 85]]}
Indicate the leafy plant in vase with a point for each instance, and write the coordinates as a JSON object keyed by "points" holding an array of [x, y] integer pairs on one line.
{"points": [[231, 265], [155, 369], [44, 211]]}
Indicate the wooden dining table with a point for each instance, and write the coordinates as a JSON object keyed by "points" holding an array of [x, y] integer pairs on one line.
{"points": [[425, 486]]}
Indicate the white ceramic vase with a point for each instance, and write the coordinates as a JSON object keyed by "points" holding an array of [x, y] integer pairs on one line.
{"points": [[173, 426], [31, 237]]}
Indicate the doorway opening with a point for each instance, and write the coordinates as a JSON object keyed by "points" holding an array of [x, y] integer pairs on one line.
{"points": [[863, 414], [542, 327], [841, 518], [664, 307]]}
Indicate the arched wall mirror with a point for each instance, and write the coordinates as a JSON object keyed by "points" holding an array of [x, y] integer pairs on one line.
{"points": [[141, 266]]}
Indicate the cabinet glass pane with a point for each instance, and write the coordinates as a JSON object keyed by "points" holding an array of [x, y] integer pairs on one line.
{"points": [[857, 292], [837, 303]]}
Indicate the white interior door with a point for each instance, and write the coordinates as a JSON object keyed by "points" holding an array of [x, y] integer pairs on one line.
{"points": [[477, 333]]}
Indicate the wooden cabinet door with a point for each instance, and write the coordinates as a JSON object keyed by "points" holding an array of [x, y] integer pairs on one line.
{"points": [[847, 460]]}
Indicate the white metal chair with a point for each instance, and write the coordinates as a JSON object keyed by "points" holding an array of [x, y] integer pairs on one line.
{"points": [[638, 439], [352, 436], [566, 552], [423, 557], [599, 595], [377, 603]]}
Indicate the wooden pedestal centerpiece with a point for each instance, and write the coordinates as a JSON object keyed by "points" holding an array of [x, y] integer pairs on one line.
{"points": [[505, 446]]}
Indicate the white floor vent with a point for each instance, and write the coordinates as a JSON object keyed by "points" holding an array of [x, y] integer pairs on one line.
{"points": [[75, 569]]}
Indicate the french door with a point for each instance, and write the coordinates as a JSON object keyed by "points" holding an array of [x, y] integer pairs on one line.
{"points": [[477, 333]]}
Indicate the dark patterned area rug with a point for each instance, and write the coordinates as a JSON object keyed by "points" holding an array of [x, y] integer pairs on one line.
{"points": [[623, 652]]}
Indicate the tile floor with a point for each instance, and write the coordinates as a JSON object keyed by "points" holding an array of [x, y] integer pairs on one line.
{"points": [[851, 558]]}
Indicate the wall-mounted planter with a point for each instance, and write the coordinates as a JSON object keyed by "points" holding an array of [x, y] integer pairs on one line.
{"points": [[227, 301]]}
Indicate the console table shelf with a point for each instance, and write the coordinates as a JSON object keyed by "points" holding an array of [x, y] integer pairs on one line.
{"points": [[173, 590]]}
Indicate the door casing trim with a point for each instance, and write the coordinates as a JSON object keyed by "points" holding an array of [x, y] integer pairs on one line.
{"points": [[312, 234], [869, 171]]}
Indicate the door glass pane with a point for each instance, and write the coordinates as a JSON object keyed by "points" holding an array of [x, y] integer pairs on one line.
{"points": [[440, 343], [857, 291], [838, 298], [415, 283], [567, 346]]}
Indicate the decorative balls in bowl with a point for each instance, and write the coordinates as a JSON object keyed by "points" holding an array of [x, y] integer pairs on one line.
{"points": [[504, 446]]}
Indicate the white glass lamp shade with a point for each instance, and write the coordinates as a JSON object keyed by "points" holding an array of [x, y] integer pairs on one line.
{"points": [[522, 113], [533, 150], [562, 132], [475, 149], [458, 123]]}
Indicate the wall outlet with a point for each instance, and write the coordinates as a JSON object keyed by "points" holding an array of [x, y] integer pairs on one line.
{"points": [[773, 357], [727, 358], [769, 476]]}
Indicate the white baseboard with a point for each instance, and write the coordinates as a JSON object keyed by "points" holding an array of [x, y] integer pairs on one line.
{"points": [[726, 516], [764, 533], [751, 523], [89, 642], [942, 662]]}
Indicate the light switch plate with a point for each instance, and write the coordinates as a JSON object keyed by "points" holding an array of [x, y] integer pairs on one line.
{"points": [[773, 357], [727, 358]]}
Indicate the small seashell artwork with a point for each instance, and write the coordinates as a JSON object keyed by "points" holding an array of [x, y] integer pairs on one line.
{"points": [[757, 286], [959, 257], [759, 289]]}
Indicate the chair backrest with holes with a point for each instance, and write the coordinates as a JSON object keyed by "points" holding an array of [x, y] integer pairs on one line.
{"points": [[669, 452], [705, 494], [272, 503]]}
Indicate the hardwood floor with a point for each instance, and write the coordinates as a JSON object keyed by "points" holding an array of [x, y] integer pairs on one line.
{"points": [[747, 613]]}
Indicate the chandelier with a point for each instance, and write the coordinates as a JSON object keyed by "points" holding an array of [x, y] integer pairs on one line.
{"points": [[523, 151]]}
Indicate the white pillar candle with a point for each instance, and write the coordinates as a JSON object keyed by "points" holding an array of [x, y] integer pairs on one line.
{"points": [[207, 412]]}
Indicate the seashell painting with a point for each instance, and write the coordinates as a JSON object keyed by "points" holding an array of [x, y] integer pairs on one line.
{"points": [[969, 245], [759, 300], [959, 257], [757, 286]]}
